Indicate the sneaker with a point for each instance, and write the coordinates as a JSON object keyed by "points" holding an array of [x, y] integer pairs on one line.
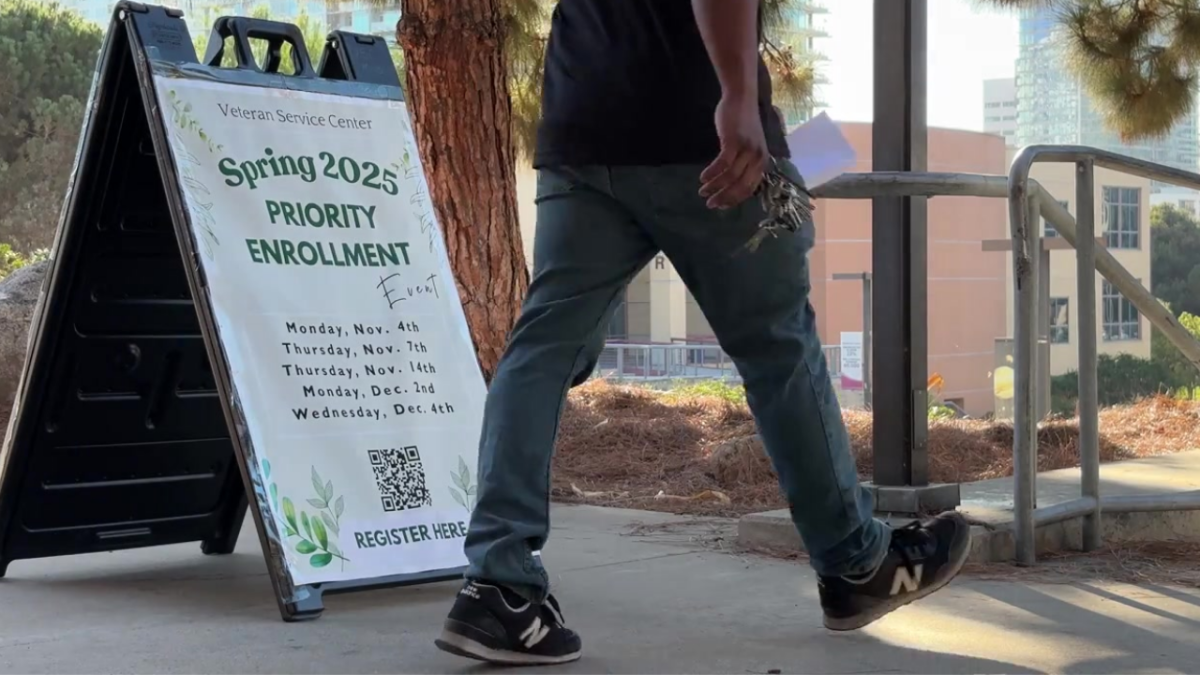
{"points": [[922, 558], [493, 624]]}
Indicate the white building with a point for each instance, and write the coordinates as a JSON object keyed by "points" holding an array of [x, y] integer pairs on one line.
{"points": [[1000, 108], [1181, 198]]}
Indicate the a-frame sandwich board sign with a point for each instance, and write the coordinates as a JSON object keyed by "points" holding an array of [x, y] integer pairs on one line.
{"points": [[248, 295]]}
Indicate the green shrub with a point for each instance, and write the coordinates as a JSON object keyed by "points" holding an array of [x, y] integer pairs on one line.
{"points": [[1162, 351], [11, 260], [1122, 379], [734, 393]]}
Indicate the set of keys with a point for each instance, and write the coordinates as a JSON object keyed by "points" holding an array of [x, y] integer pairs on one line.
{"points": [[788, 205]]}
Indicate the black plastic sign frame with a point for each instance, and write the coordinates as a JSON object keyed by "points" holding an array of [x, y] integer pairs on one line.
{"points": [[126, 433]]}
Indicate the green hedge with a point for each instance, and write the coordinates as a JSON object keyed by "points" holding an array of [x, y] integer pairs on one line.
{"points": [[1125, 378], [1122, 379]]}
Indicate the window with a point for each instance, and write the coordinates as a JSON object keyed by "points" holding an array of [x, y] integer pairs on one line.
{"points": [[1122, 217], [1121, 319], [1060, 321], [618, 326], [1049, 230]]}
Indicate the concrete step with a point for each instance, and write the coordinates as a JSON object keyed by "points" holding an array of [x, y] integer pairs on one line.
{"points": [[989, 505]]}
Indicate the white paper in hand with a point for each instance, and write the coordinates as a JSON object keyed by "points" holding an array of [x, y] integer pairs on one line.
{"points": [[819, 151]]}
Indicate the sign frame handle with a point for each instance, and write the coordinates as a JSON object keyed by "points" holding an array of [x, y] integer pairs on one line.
{"points": [[243, 29]]}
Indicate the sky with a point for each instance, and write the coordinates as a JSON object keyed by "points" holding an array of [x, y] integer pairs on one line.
{"points": [[966, 46]]}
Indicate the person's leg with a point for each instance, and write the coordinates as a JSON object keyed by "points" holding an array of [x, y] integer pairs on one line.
{"points": [[587, 249], [757, 304]]}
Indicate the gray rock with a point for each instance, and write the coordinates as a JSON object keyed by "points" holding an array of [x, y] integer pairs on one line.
{"points": [[18, 299]]}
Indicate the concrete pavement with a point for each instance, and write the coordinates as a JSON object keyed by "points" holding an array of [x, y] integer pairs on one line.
{"points": [[650, 593]]}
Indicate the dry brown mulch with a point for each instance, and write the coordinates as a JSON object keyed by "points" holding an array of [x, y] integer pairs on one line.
{"points": [[638, 448]]}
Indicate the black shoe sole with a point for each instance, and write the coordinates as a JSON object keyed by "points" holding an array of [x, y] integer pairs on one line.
{"points": [[460, 645], [958, 557]]}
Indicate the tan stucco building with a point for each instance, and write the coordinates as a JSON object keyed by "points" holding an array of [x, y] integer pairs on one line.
{"points": [[1122, 208]]}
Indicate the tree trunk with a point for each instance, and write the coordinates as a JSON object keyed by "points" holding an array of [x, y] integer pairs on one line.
{"points": [[457, 87]]}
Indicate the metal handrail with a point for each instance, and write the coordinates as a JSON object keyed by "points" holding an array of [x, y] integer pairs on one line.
{"points": [[1026, 199]]}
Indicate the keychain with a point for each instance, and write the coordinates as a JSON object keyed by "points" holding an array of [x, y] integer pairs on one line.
{"points": [[788, 206]]}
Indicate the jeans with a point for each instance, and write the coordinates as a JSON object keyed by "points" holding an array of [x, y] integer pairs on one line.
{"points": [[597, 226]]}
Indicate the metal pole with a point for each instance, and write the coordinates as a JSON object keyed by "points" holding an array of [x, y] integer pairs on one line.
{"points": [[1043, 361], [1089, 404], [866, 348], [1026, 258], [899, 250]]}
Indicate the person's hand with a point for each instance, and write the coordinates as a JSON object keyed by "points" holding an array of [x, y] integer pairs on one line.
{"points": [[735, 174]]}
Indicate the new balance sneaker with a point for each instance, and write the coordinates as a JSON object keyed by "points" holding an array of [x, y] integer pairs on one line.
{"points": [[923, 557], [493, 624]]}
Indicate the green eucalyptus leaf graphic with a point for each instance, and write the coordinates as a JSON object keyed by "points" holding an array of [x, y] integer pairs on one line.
{"points": [[318, 484], [339, 506], [274, 494], [289, 530], [329, 523], [266, 464], [458, 498], [333, 548], [289, 513], [320, 559], [320, 533], [464, 471], [306, 523], [317, 503], [471, 490], [304, 547], [328, 492]]}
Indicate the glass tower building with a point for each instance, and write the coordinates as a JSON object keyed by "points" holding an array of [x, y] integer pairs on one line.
{"points": [[1053, 108]]}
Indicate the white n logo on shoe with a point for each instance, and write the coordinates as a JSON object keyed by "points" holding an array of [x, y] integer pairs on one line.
{"points": [[909, 582], [535, 633]]}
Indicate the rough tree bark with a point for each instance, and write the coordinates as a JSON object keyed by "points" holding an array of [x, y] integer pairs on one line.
{"points": [[457, 87]]}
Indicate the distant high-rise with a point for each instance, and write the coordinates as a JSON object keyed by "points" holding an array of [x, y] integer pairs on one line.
{"points": [[1000, 108], [800, 33], [1053, 108]]}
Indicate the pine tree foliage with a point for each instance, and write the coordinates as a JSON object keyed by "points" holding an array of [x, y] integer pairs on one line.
{"points": [[1137, 59]]}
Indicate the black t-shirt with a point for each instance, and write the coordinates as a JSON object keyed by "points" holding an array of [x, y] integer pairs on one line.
{"points": [[629, 82]]}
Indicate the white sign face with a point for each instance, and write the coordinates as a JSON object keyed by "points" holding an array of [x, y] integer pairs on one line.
{"points": [[852, 361], [340, 319]]}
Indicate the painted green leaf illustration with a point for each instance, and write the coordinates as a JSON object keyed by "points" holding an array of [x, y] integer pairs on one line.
{"points": [[339, 506], [458, 498], [289, 530], [329, 522], [471, 490], [304, 547], [320, 559], [317, 503], [274, 494], [289, 513], [306, 523], [266, 463], [318, 484], [320, 533], [333, 548], [328, 492], [465, 472]]}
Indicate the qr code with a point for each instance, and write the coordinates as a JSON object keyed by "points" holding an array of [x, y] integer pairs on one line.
{"points": [[400, 477]]}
